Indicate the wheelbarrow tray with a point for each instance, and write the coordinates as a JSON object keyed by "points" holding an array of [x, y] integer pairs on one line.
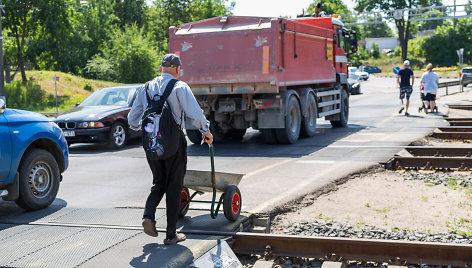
{"points": [[199, 180]]}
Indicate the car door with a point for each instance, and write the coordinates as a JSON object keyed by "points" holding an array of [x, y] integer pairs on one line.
{"points": [[5, 148]]}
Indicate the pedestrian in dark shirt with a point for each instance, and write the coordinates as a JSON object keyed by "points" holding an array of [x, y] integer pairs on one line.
{"points": [[403, 81], [168, 175]]}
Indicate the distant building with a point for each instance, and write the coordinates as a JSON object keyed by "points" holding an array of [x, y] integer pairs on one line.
{"points": [[384, 43]]}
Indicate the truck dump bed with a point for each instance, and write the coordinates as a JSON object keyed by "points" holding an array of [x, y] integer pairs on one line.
{"points": [[247, 55]]}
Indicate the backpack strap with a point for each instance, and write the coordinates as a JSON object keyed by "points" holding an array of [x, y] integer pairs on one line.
{"points": [[168, 90]]}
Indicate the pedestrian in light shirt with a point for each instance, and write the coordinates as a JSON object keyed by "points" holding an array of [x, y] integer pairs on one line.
{"points": [[430, 81], [168, 175]]}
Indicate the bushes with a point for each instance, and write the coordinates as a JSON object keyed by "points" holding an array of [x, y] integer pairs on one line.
{"points": [[27, 96], [129, 57]]}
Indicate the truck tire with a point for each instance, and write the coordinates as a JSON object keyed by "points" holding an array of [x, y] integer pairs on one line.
{"points": [[309, 122], [269, 135], [39, 178], [293, 121], [194, 135], [344, 116], [218, 135], [118, 136], [236, 134]]}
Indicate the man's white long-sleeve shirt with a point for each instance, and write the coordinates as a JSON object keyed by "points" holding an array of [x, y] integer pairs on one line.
{"points": [[181, 101]]}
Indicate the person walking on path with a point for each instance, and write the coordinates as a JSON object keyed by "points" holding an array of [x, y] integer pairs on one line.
{"points": [[168, 175], [430, 81], [403, 81]]}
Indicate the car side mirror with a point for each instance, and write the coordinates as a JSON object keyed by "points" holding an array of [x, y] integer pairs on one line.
{"points": [[77, 104], [3, 105]]}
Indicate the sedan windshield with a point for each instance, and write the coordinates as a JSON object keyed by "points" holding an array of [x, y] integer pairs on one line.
{"points": [[110, 96]]}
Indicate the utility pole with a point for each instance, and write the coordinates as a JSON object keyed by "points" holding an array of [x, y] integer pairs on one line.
{"points": [[2, 71], [454, 21]]}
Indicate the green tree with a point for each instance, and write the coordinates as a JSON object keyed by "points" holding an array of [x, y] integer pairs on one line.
{"points": [[329, 7], [20, 19], [402, 23], [128, 57], [375, 51], [376, 30], [130, 12], [441, 48], [166, 13]]}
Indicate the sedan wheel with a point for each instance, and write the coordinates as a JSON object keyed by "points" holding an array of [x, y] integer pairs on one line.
{"points": [[118, 135]]}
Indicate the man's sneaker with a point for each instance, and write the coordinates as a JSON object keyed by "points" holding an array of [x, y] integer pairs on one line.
{"points": [[426, 110], [149, 227], [178, 238], [407, 114], [401, 110]]}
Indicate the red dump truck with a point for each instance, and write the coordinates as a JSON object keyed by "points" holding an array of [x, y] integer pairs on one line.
{"points": [[273, 74]]}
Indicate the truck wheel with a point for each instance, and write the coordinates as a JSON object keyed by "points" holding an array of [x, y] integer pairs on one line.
{"points": [[118, 136], [269, 135], [218, 135], [293, 120], [194, 135], [232, 203], [236, 134], [344, 116], [309, 122], [39, 178]]}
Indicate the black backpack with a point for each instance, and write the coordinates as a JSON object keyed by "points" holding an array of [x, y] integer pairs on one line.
{"points": [[160, 132]]}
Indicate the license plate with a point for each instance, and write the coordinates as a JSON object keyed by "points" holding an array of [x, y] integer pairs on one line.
{"points": [[68, 133]]}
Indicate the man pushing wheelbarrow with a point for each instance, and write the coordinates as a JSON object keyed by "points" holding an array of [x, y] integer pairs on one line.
{"points": [[158, 110]]}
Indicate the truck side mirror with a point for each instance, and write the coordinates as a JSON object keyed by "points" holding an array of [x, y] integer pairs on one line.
{"points": [[353, 42], [3, 105]]}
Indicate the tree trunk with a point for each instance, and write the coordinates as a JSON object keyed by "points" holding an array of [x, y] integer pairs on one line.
{"points": [[402, 37]]}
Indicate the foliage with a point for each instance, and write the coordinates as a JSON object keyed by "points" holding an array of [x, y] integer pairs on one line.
{"points": [[375, 51], [130, 12], [128, 57], [415, 47], [452, 39], [358, 58], [329, 7], [404, 27], [27, 96], [376, 30]]}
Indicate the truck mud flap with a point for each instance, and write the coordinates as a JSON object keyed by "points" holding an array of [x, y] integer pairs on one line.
{"points": [[270, 119]]}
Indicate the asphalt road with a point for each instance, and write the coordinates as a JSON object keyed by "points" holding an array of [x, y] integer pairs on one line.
{"points": [[274, 174], [95, 220]]}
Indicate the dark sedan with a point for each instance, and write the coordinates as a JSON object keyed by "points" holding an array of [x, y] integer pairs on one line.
{"points": [[101, 117]]}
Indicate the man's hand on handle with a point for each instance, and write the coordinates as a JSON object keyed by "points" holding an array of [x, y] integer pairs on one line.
{"points": [[207, 137]]}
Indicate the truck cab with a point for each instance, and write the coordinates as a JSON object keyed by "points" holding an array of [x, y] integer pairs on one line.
{"points": [[33, 155]]}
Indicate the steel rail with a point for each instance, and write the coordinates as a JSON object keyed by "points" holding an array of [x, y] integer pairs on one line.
{"points": [[453, 135], [456, 129], [460, 106], [440, 151], [458, 119], [430, 163], [460, 123], [403, 252]]}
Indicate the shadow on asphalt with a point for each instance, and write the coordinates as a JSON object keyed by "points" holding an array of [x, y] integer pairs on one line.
{"points": [[252, 144]]}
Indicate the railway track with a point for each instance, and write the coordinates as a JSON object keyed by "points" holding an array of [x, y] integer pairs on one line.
{"points": [[440, 158], [348, 249]]}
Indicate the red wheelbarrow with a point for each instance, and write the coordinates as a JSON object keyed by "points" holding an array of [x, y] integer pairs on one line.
{"points": [[211, 181]]}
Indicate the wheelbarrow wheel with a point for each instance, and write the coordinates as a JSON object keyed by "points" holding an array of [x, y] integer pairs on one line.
{"points": [[232, 203], [184, 197]]}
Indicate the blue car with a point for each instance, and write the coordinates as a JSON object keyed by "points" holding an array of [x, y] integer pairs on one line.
{"points": [[33, 156]]}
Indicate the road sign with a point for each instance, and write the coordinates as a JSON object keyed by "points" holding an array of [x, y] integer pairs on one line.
{"points": [[55, 78], [396, 70]]}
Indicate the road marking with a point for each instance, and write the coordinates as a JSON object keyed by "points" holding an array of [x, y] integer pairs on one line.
{"points": [[268, 167]]}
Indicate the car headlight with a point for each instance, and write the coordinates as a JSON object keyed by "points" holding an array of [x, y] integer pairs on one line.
{"points": [[54, 125], [92, 124]]}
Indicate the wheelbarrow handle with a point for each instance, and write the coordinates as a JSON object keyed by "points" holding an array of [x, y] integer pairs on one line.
{"points": [[212, 159]]}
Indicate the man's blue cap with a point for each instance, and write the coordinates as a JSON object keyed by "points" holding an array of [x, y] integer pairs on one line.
{"points": [[171, 60]]}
